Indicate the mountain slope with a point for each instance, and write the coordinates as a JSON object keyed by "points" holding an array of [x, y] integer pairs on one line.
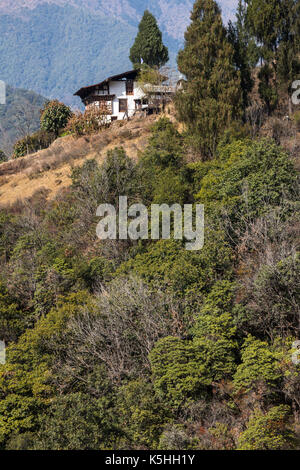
{"points": [[56, 46], [20, 116], [49, 170], [172, 15]]}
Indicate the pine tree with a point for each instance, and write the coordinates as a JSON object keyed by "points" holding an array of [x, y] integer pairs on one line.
{"points": [[211, 97], [148, 47]]}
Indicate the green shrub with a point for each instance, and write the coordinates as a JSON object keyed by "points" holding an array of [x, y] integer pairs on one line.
{"points": [[296, 118], [3, 157], [246, 180], [55, 116], [268, 431], [32, 143], [260, 367]]}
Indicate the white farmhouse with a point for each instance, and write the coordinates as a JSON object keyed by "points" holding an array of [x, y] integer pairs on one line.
{"points": [[120, 96]]}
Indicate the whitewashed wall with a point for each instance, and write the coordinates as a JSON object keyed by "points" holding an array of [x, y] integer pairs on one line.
{"points": [[118, 88]]}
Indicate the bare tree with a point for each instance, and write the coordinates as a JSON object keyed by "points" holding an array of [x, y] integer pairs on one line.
{"points": [[255, 116], [25, 123], [118, 332]]}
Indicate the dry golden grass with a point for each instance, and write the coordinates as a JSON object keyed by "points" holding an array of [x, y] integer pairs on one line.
{"points": [[51, 169]]}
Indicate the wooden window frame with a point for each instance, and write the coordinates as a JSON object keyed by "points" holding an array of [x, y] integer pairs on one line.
{"points": [[121, 108], [129, 87]]}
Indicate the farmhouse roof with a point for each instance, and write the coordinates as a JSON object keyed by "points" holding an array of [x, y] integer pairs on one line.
{"points": [[131, 74]]}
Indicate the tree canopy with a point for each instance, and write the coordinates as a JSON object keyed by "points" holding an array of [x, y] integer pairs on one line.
{"points": [[148, 47], [211, 96]]}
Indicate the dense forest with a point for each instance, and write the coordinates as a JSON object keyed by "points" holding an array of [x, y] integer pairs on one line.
{"points": [[143, 344]]}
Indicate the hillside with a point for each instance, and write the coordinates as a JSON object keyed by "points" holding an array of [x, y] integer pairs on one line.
{"points": [[149, 267], [19, 117], [49, 170], [143, 344], [56, 46]]}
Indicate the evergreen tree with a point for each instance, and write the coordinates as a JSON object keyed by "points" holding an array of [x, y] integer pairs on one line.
{"points": [[55, 116], [245, 50], [267, 87], [288, 63], [275, 26], [264, 18], [211, 96], [148, 47]]}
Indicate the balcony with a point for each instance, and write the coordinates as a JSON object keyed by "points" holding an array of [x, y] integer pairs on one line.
{"points": [[163, 89]]}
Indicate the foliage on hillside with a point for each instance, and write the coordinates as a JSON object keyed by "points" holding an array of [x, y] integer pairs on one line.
{"points": [[219, 67], [144, 344], [139, 344]]}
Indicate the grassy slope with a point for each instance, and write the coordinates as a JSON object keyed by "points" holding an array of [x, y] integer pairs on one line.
{"points": [[49, 170]]}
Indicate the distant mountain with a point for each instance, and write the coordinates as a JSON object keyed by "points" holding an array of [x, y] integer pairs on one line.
{"points": [[20, 116], [173, 15], [56, 46]]}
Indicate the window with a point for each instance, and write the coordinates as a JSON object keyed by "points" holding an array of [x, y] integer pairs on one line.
{"points": [[123, 106], [104, 90], [129, 87]]}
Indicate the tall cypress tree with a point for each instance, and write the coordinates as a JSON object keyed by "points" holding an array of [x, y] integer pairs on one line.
{"points": [[263, 18], [148, 46], [275, 25], [287, 59], [245, 50], [211, 96]]}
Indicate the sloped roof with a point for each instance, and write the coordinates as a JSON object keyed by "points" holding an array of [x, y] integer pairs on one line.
{"points": [[83, 91]]}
